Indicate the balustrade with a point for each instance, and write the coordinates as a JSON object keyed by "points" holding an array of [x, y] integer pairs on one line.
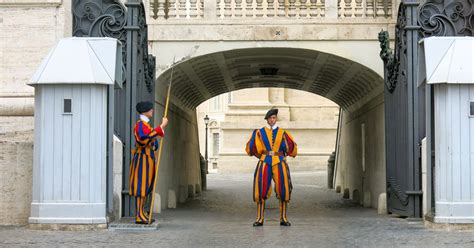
{"points": [[364, 8], [284, 9], [176, 9]]}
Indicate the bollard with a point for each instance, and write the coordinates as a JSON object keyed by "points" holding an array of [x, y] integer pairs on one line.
{"points": [[331, 163]]}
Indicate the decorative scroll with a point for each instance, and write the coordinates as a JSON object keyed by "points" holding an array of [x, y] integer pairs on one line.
{"points": [[446, 18], [393, 188], [101, 18], [393, 59]]}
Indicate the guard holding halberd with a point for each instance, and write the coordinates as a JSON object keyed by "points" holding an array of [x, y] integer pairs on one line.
{"points": [[271, 145], [143, 164]]}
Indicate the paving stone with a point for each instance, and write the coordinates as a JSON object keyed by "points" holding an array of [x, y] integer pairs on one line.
{"points": [[222, 216]]}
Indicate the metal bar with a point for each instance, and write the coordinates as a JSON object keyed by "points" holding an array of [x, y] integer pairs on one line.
{"points": [[414, 102], [412, 27], [129, 100], [136, 28], [432, 152], [411, 120], [414, 192]]}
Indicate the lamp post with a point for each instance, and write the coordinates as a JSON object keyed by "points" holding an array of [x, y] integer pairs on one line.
{"points": [[204, 170]]}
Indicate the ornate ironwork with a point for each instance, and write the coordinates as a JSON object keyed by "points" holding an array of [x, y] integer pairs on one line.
{"points": [[147, 67], [446, 18], [402, 104], [101, 18], [392, 59], [392, 187], [150, 72]]}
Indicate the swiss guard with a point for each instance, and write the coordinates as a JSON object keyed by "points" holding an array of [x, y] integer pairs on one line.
{"points": [[271, 145], [142, 166]]}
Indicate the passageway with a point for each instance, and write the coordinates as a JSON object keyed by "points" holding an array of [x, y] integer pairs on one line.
{"points": [[357, 88]]}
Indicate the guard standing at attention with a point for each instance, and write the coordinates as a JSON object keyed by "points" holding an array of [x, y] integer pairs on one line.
{"points": [[271, 145], [142, 166]]}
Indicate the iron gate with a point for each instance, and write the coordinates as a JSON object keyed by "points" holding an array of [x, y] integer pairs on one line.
{"points": [[110, 18], [408, 104], [402, 114]]}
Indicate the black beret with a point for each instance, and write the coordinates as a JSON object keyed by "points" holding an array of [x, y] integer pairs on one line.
{"points": [[143, 107], [271, 112]]}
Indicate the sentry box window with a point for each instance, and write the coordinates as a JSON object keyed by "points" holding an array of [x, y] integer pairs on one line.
{"points": [[67, 106], [471, 112]]}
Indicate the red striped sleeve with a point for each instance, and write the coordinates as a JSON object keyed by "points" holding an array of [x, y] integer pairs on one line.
{"points": [[159, 131]]}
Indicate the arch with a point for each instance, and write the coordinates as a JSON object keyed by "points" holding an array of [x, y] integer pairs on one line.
{"points": [[339, 79]]}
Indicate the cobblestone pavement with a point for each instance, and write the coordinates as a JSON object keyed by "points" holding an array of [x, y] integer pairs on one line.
{"points": [[222, 217]]}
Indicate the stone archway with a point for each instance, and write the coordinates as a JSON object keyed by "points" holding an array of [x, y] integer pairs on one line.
{"points": [[339, 79], [353, 86]]}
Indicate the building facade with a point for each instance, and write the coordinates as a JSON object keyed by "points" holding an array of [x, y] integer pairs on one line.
{"points": [[310, 118]]}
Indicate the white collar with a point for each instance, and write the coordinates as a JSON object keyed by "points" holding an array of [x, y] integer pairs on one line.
{"points": [[272, 127], [144, 118]]}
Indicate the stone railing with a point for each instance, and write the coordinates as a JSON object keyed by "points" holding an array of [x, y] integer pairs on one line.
{"points": [[364, 8], [270, 8], [177, 9], [284, 9]]}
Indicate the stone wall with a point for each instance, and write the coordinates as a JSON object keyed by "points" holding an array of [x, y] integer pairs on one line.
{"points": [[16, 168], [179, 173], [28, 30], [361, 172]]}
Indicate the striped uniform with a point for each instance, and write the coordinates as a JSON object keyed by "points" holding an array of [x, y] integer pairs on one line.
{"points": [[142, 166], [270, 167]]}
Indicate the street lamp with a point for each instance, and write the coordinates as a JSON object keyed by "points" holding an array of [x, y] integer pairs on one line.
{"points": [[205, 171]]}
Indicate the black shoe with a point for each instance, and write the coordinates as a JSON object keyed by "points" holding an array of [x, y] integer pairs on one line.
{"points": [[256, 223], [285, 223]]}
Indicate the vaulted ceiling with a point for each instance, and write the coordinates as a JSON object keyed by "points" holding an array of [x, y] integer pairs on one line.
{"points": [[338, 79]]}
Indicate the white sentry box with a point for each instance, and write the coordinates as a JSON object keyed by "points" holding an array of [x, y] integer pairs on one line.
{"points": [[72, 106], [450, 69]]}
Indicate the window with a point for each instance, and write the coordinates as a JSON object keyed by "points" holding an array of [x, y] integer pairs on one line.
{"points": [[68, 106], [471, 112], [217, 103], [215, 144]]}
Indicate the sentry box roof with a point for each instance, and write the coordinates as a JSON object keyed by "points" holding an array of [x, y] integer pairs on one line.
{"points": [[82, 61], [449, 60]]}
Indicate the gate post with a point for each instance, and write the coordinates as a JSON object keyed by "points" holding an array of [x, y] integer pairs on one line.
{"points": [[404, 114], [416, 100]]}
